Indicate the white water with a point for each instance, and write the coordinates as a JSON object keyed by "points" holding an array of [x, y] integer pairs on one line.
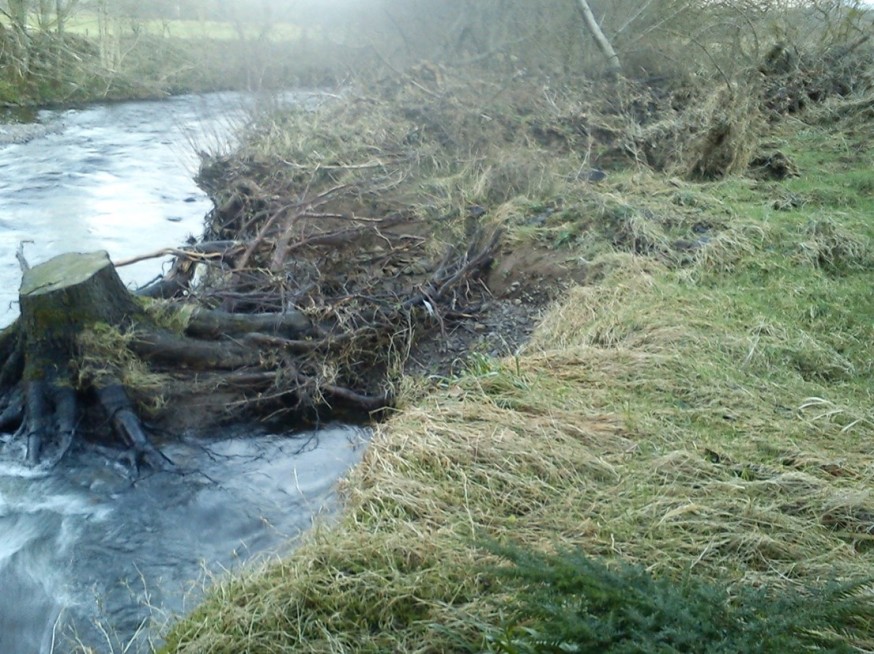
{"points": [[86, 556]]}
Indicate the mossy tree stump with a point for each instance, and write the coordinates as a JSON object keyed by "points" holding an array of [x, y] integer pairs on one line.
{"points": [[59, 301], [49, 379]]}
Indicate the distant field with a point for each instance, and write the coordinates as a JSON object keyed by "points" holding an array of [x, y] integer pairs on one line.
{"points": [[154, 58], [87, 25]]}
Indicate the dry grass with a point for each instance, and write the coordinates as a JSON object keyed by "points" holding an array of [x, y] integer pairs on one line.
{"points": [[105, 353], [738, 478], [642, 422], [729, 138], [832, 247], [703, 409]]}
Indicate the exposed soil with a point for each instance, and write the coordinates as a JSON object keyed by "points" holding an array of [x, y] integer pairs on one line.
{"points": [[508, 302]]}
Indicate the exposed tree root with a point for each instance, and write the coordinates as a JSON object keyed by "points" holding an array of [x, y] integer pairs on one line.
{"points": [[128, 427], [82, 336]]}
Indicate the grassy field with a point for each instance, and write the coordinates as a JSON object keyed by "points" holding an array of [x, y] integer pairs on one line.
{"points": [[136, 59], [703, 407], [86, 24]]}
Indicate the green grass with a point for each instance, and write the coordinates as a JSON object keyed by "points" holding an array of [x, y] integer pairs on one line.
{"points": [[704, 413], [570, 602], [86, 24]]}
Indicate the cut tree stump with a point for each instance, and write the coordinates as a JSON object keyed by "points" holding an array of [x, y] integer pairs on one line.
{"points": [[61, 299], [51, 376]]}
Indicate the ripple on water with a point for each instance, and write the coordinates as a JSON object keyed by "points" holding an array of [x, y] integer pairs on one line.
{"points": [[104, 177], [83, 546]]}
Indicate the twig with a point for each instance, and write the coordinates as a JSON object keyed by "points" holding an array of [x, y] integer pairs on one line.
{"points": [[370, 164], [164, 252], [19, 254]]}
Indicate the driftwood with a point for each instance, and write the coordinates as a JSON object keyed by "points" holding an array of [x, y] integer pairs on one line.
{"points": [[302, 300], [51, 377]]}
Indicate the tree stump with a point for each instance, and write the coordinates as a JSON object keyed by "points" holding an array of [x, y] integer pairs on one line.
{"points": [[60, 299], [49, 379]]}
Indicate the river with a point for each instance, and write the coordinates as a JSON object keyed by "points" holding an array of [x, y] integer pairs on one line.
{"points": [[89, 559], [117, 177]]}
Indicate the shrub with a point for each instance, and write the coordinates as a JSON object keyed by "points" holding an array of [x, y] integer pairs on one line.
{"points": [[570, 602]]}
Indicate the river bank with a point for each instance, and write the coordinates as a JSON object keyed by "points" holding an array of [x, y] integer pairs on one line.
{"points": [[695, 397], [91, 558], [75, 69]]}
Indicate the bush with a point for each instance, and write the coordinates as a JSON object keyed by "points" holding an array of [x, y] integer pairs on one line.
{"points": [[570, 602]]}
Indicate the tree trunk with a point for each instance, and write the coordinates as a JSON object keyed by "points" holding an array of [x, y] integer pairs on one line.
{"points": [[61, 15], [603, 43], [18, 10]]}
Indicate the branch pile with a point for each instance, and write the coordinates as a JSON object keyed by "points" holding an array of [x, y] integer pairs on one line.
{"points": [[328, 230]]}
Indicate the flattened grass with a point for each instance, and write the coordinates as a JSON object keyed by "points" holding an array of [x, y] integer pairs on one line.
{"points": [[709, 416]]}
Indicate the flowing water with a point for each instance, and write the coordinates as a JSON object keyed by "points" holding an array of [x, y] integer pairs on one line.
{"points": [[117, 177], [87, 556]]}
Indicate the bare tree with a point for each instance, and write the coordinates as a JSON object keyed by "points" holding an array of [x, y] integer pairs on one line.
{"points": [[62, 12], [18, 10], [601, 39], [17, 15]]}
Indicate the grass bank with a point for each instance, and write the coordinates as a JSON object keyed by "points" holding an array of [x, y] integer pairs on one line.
{"points": [[154, 61], [701, 406]]}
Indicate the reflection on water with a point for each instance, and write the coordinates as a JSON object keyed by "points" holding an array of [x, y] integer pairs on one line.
{"points": [[85, 554]]}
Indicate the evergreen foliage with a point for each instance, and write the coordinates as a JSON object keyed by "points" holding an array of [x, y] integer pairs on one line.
{"points": [[570, 602]]}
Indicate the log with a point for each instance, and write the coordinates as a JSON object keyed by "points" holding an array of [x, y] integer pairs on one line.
{"points": [[205, 323], [172, 351]]}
